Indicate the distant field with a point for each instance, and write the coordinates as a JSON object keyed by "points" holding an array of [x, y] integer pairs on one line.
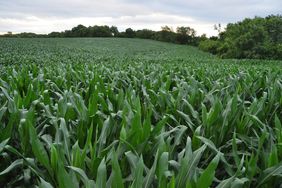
{"points": [[102, 112]]}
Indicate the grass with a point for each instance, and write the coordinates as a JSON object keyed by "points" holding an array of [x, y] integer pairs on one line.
{"points": [[136, 113]]}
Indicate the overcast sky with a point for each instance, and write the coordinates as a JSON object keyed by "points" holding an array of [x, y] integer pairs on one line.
{"points": [[44, 16]]}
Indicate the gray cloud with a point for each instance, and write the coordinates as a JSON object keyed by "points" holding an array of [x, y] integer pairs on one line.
{"points": [[217, 10], [45, 16], [70, 8]]}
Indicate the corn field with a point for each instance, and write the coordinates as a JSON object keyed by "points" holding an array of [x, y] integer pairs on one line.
{"points": [[136, 113]]}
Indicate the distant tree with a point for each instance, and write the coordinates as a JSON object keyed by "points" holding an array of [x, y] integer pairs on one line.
{"points": [[185, 35], [114, 31], [99, 31], [166, 34], [55, 34], [8, 34], [167, 28], [145, 34], [186, 31], [27, 35], [130, 33], [79, 31]]}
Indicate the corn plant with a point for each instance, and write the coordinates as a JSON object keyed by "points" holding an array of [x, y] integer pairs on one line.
{"points": [[136, 113]]}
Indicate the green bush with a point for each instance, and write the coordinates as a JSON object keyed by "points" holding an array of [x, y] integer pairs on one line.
{"points": [[257, 38], [211, 46]]}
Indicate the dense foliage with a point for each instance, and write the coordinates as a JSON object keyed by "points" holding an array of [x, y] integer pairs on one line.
{"points": [[257, 38], [136, 113]]}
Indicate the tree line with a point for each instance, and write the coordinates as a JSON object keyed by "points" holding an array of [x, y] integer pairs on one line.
{"points": [[256, 38], [182, 35]]}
